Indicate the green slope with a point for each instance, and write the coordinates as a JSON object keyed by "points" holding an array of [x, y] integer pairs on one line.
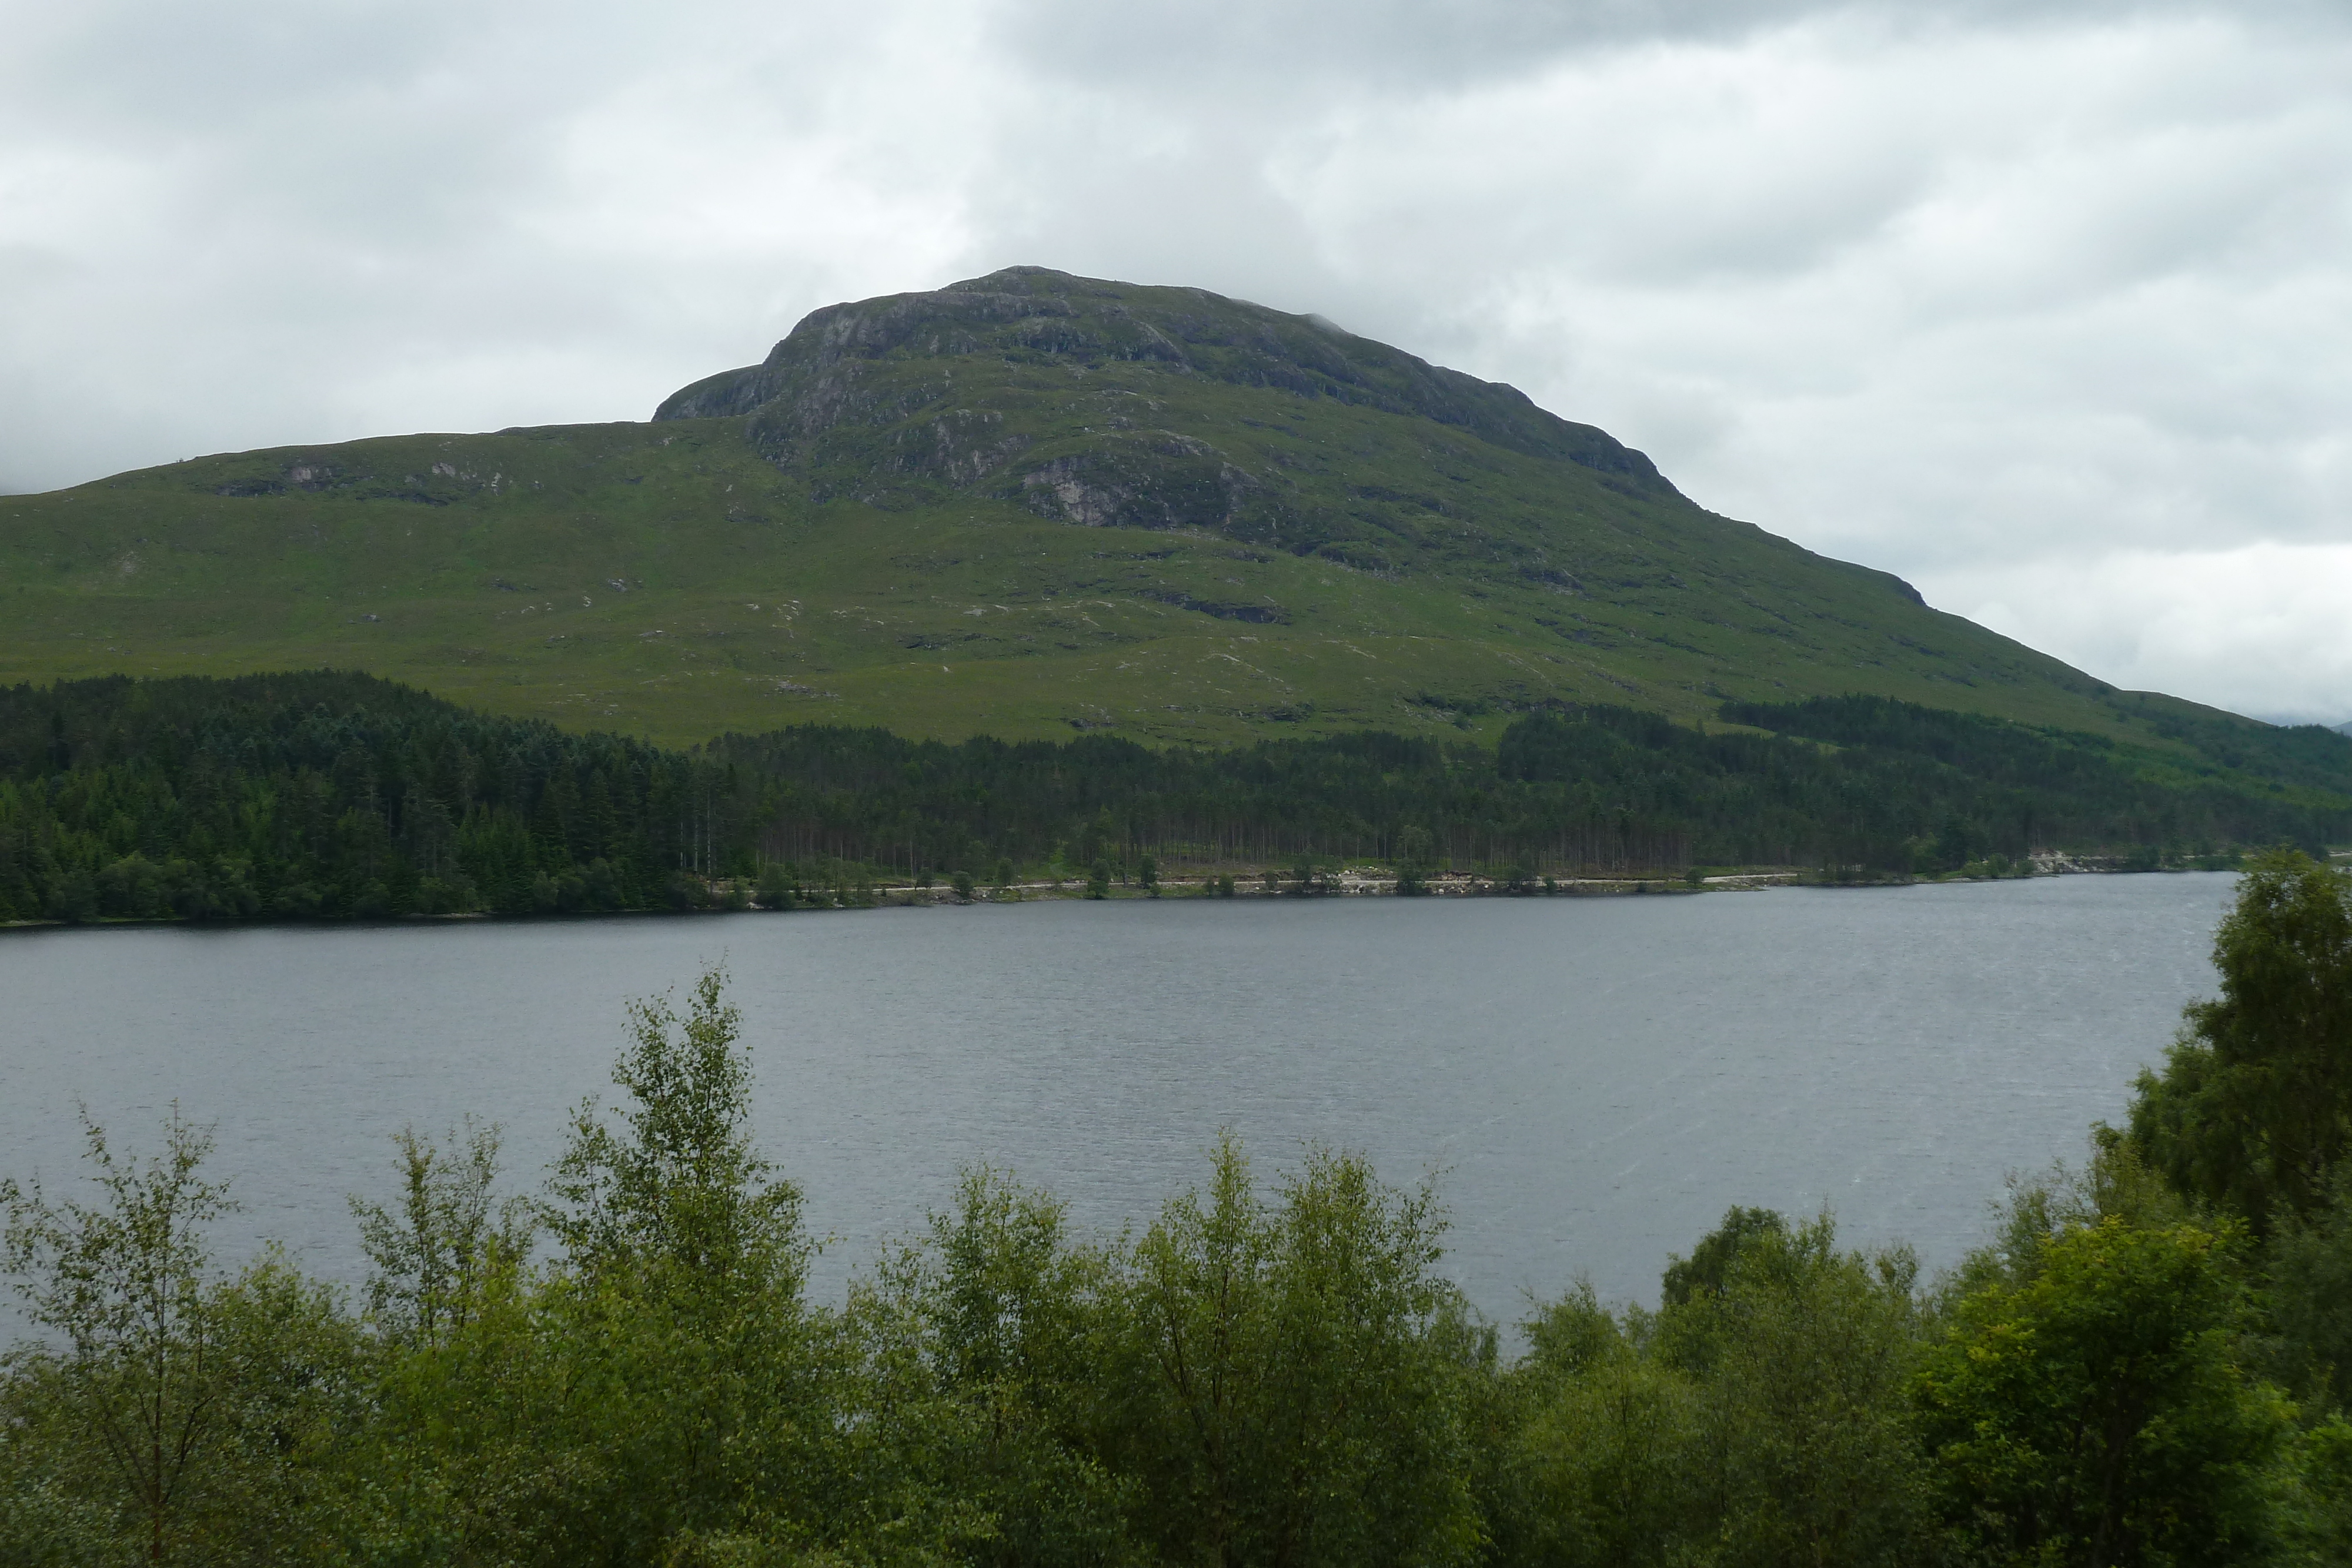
{"points": [[1024, 505]]}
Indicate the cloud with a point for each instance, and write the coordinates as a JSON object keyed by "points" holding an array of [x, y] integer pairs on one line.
{"points": [[1987, 293], [1184, 47], [2214, 620]]}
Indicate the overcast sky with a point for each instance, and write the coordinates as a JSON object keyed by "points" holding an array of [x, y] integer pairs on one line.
{"points": [[2046, 306]]}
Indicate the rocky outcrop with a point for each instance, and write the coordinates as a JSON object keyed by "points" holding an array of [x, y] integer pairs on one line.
{"points": [[927, 368], [1159, 480]]}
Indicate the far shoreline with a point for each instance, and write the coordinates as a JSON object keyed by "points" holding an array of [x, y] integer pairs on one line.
{"points": [[1342, 884]]}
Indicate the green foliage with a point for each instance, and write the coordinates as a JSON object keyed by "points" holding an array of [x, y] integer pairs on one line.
{"points": [[2255, 1099], [2318, 1522], [1760, 1418], [675, 1198], [431, 1255], [1904, 786], [686, 1356], [335, 795], [1603, 1465], [1803, 1355], [1415, 854], [1707, 1270], [2309, 1269], [126, 1284], [168, 1417], [1293, 1375], [2091, 1407], [986, 1342], [780, 886]]}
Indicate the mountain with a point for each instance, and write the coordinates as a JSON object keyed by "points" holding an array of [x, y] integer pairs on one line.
{"points": [[1028, 503]]}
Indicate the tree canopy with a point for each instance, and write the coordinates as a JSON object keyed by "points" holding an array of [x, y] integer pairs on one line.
{"points": [[2254, 1102]]}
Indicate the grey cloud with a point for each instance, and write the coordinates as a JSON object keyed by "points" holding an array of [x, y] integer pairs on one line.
{"points": [[1178, 47]]}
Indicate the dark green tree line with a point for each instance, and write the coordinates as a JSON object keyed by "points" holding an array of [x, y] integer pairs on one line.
{"points": [[334, 795]]}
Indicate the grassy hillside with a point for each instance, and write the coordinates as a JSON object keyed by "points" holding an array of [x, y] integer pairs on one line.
{"points": [[1029, 504]]}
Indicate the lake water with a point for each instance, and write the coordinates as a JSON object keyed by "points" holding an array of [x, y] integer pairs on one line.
{"points": [[1595, 1080]]}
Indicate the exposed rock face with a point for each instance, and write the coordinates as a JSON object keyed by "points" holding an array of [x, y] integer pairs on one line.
{"points": [[1038, 386], [1157, 481]]}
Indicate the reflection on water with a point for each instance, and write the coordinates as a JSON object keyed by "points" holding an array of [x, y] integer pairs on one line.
{"points": [[1594, 1080]]}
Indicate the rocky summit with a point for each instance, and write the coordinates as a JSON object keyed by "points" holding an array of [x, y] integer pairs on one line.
{"points": [[869, 392]]}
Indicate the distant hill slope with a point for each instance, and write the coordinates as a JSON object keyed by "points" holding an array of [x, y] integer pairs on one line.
{"points": [[1030, 503]]}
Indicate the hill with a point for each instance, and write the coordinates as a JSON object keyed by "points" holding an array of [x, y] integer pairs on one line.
{"points": [[1028, 505]]}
